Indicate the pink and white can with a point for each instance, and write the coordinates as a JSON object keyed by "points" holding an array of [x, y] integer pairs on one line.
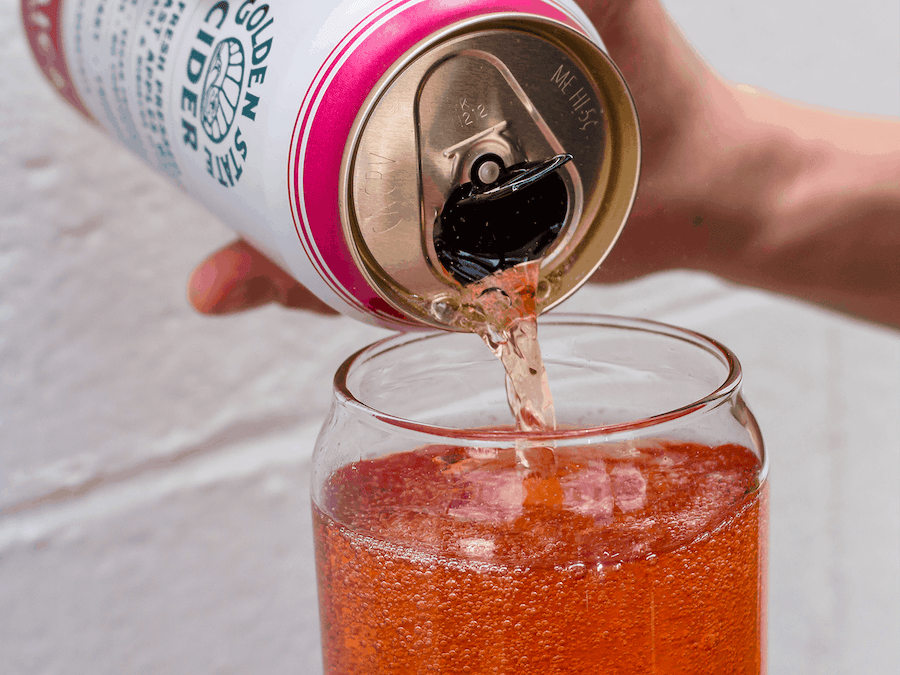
{"points": [[333, 135]]}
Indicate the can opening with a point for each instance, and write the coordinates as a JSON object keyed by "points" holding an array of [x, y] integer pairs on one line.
{"points": [[503, 217]]}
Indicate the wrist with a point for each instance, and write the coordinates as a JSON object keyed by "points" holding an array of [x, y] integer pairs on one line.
{"points": [[747, 161], [809, 205]]}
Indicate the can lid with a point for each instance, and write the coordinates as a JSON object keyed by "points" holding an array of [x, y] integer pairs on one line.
{"points": [[485, 95]]}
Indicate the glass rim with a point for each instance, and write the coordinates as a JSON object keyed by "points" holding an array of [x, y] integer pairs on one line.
{"points": [[493, 436]]}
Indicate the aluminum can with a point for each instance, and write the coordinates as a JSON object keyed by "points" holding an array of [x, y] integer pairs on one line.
{"points": [[331, 135]]}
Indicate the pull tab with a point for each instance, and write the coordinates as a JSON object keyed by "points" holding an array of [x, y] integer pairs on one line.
{"points": [[516, 178], [486, 226]]}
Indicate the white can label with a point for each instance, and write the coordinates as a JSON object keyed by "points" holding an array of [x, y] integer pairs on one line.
{"points": [[176, 83]]}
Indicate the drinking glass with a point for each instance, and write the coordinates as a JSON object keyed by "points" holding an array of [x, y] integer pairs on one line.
{"points": [[638, 547]]}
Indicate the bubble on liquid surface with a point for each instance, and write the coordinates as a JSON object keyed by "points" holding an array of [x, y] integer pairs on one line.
{"points": [[488, 495], [629, 487], [443, 309], [542, 292], [589, 492], [476, 547]]}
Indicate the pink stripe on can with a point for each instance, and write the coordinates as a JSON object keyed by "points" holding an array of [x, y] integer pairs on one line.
{"points": [[309, 106]]}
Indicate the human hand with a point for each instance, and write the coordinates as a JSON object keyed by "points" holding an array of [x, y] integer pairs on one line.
{"points": [[238, 277], [760, 190]]}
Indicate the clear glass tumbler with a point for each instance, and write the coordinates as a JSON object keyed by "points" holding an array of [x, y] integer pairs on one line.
{"points": [[641, 549]]}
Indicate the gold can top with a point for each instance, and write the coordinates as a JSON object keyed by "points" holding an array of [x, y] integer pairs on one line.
{"points": [[478, 106]]}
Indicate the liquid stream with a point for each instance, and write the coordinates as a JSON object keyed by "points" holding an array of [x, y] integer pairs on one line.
{"points": [[502, 310]]}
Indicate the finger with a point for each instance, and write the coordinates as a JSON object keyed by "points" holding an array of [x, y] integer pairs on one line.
{"points": [[238, 277]]}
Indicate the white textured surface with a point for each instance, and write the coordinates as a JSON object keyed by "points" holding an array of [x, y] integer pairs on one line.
{"points": [[154, 463]]}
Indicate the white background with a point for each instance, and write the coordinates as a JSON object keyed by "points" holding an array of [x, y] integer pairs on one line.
{"points": [[154, 463]]}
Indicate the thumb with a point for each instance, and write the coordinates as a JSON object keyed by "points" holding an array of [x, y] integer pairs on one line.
{"points": [[238, 277]]}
